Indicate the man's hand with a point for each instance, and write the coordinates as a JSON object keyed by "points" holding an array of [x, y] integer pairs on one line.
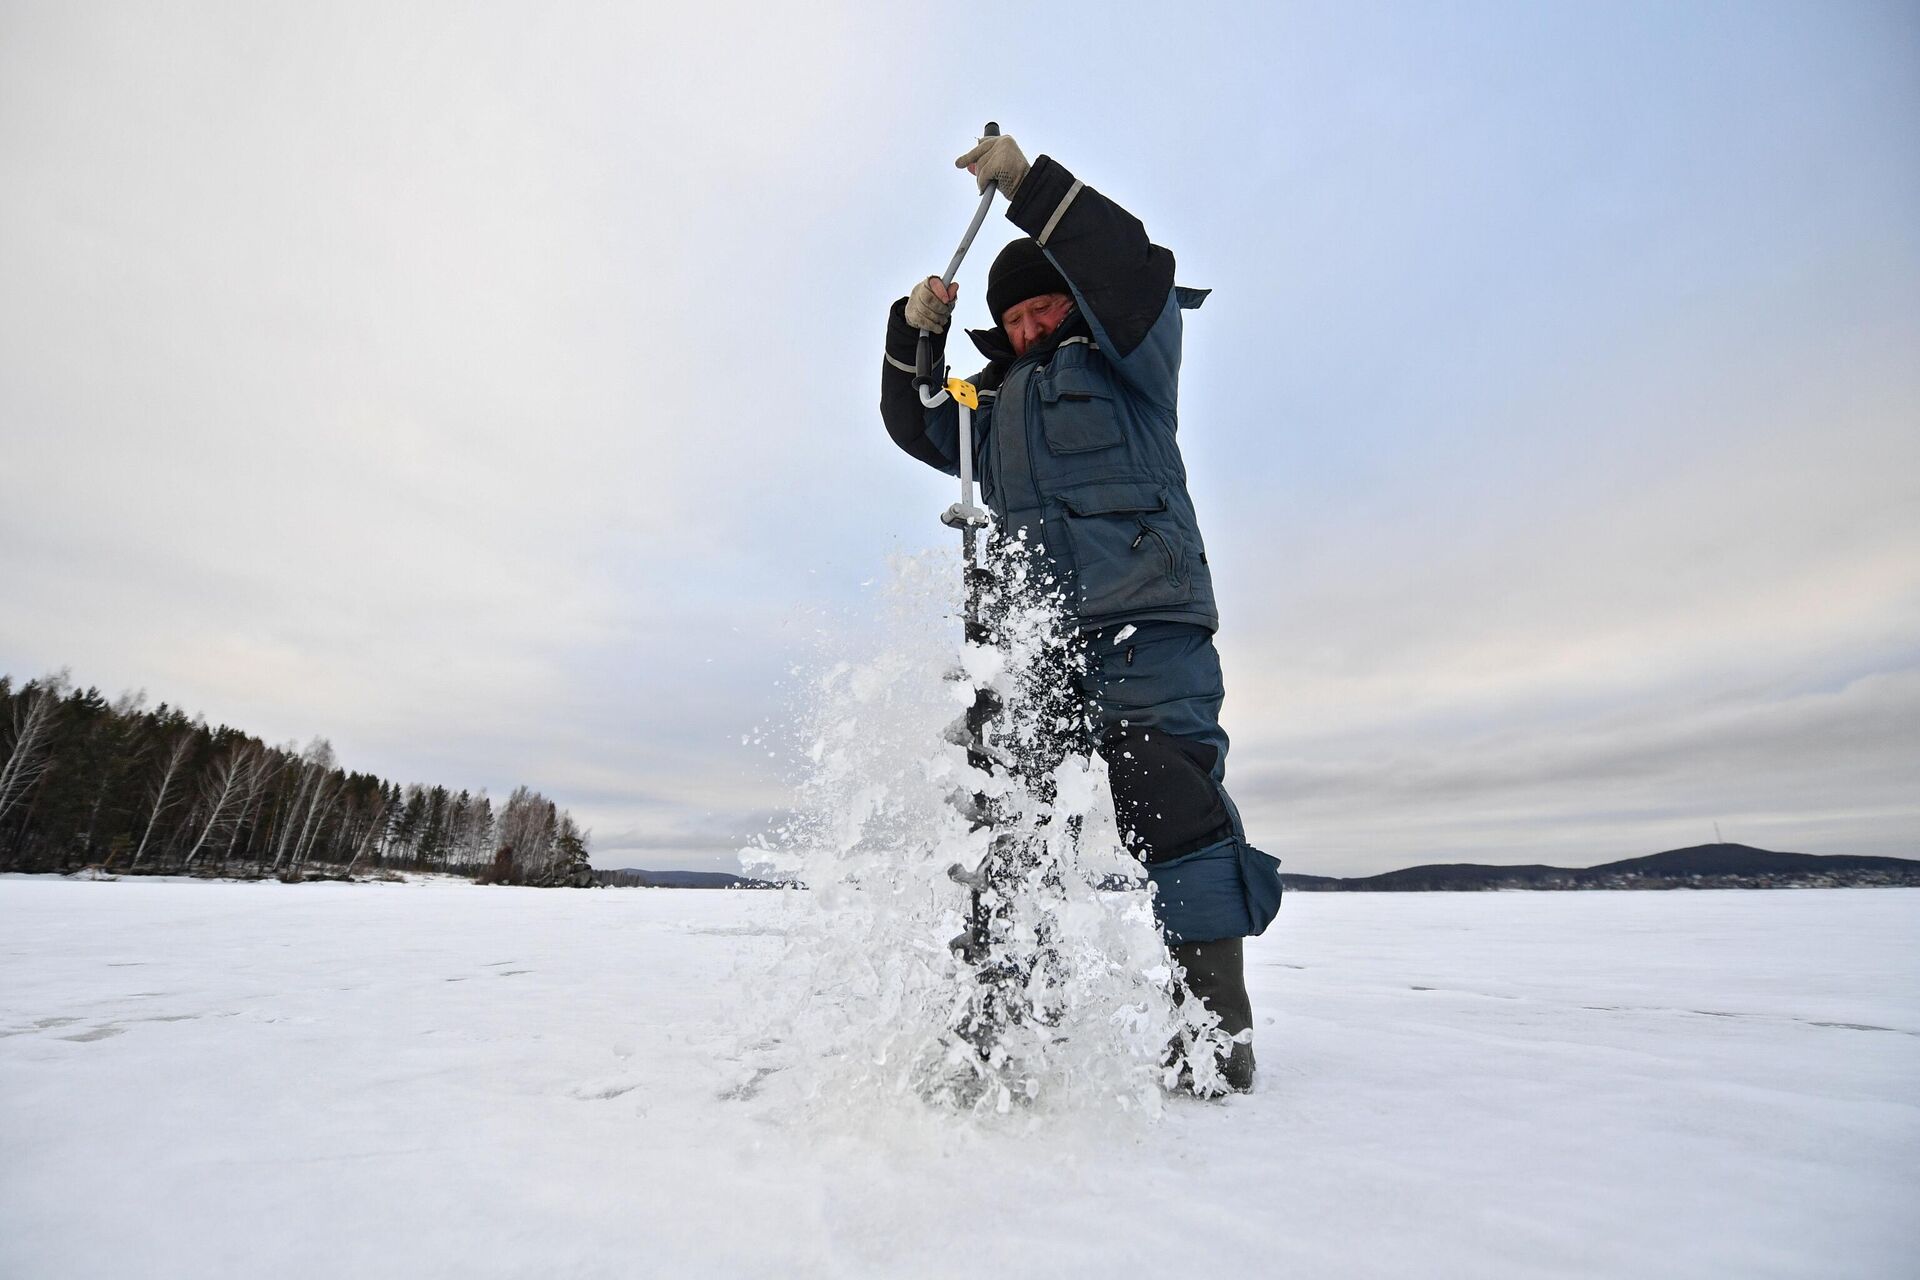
{"points": [[997, 161], [930, 305]]}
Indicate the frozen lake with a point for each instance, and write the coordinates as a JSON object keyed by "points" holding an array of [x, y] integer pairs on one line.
{"points": [[440, 1079]]}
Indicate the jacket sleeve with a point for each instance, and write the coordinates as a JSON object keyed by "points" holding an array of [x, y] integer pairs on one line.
{"points": [[931, 435], [1122, 282]]}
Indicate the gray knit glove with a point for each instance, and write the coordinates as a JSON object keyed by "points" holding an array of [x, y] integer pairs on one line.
{"points": [[997, 161], [925, 310]]}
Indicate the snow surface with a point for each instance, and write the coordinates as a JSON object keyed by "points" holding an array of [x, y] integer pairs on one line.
{"points": [[438, 1079]]}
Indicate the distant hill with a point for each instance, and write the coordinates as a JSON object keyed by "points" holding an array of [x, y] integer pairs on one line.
{"points": [[1702, 866], [639, 878]]}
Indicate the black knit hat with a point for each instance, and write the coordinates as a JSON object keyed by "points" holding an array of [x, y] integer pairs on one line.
{"points": [[1021, 272]]}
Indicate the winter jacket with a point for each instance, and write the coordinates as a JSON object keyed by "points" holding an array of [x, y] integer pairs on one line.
{"points": [[1075, 441]]}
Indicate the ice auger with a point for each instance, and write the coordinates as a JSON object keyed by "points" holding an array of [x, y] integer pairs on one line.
{"points": [[973, 946]]}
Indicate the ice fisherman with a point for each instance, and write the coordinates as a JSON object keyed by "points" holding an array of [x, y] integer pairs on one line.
{"points": [[1075, 442]]}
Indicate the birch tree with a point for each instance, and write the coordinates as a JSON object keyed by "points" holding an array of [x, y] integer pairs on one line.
{"points": [[173, 762], [266, 766], [34, 713], [375, 827], [225, 788], [315, 763], [527, 829], [478, 849], [320, 803], [159, 790]]}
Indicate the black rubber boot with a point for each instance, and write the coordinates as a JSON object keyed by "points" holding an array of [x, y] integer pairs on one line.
{"points": [[1217, 973]]}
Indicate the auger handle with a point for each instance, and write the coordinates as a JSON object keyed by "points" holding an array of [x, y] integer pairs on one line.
{"points": [[931, 386]]}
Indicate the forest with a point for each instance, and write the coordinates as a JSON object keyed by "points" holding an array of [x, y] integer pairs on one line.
{"points": [[124, 789]]}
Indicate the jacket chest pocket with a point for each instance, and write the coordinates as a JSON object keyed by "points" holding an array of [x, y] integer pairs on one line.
{"points": [[1128, 553], [1079, 411]]}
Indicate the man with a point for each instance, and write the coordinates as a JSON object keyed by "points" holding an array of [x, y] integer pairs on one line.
{"points": [[1074, 442]]}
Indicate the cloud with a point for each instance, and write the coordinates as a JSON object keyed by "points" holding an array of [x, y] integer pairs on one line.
{"points": [[495, 395], [1805, 768]]}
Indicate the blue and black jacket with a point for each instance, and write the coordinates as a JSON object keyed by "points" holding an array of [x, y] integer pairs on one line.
{"points": [[1075, 441]]}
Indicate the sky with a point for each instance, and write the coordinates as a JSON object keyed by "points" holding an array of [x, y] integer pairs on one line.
{"points": [[493, 390]]}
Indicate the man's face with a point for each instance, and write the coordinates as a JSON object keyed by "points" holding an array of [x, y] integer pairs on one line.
{"points": [[1034, 320]]}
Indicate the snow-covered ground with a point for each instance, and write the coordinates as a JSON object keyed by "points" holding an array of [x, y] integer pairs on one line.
{"points": [[440, 1080]]}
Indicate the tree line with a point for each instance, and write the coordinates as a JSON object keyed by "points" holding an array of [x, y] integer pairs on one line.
{"points": [[85, 782]]}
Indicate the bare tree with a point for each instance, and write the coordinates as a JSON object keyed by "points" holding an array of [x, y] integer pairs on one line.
{"points": [[526, 827], [162, 791], [321, 808], [266, 766], [479, 843], [286, 816], [375, 827], [27, 759], [177, 750], [470, 832], [315, 763], [225, 788]]}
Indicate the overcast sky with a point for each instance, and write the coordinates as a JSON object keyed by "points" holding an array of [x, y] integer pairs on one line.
{"points": [[492, 389]]}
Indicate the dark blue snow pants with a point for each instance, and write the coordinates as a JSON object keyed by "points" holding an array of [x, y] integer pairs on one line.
{"points": [[1157, 689]]}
